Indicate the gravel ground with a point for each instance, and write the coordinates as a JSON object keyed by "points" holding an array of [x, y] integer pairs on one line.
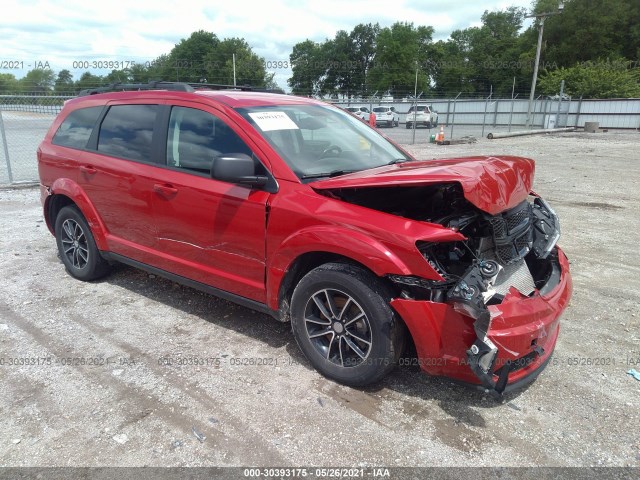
{"points": [[136, 370]]}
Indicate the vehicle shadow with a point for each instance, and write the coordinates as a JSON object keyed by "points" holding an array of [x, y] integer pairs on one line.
{"points": [[461, 402], [209, 308]]}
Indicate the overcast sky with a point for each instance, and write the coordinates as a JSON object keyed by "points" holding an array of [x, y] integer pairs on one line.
{"points": [[59, 33]]}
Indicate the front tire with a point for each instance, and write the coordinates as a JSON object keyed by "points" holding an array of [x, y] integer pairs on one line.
{"points": [[77, 247], [342, 321]]}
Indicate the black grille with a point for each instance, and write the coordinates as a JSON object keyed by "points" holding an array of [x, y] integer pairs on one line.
{"points": [[512, 234], [499, 226], [517, 219]]}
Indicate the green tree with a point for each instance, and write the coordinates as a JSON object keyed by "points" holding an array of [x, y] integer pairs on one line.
{"points": [[139, 72], [588, 30], [38, 81], [186, 61], [64, 82], [453, 70], [399, 50], [118, 76], [338, 60], [250, 68], [363, 50], [88, 80], [593, 80], [8, 83], [308, 68], [478, 60], [203, 57]]}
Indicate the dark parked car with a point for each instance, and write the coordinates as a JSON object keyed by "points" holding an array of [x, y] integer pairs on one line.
{"points": [[295, 208]]}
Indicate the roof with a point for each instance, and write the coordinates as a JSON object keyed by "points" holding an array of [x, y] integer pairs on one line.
{"points": [[236, 98], [231, 98]]}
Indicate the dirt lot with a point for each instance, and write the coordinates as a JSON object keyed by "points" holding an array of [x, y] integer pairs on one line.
{"points": [[115, 379]]}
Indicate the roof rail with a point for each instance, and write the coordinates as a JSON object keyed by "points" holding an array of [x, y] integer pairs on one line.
{"points": [[244, 88], [175, 86], [121, 87]]}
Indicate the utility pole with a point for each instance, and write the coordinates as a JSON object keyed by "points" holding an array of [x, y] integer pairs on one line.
{"points": [[415, 106], [234, 69], [542, 17]]}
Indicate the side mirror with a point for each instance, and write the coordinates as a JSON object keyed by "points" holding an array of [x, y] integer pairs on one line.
{"points": [[237, 168]]}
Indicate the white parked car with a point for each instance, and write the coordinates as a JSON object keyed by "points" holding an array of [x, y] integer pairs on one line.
{"points": [[361, 112], [386, 116], [422, 116]]}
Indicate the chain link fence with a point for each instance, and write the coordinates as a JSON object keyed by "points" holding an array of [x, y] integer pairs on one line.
{"points": [[24, 121]]}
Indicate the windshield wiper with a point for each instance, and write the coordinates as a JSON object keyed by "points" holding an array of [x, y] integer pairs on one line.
{"points": [[397, 160], [333, 173]]}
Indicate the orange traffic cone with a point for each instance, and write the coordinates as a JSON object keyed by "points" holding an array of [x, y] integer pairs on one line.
{"points": [[440, 136]]}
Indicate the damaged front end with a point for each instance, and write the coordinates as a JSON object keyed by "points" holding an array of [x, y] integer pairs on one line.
{"points": [[508, 253], [528, 231], [499, 276]]}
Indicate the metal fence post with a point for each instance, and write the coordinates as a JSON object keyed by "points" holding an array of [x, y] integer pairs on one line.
{"points": [[513, 101], [578, 113], [453, 116], [486, 106], [535, 107], [448, 104], [559, 112], [495, 113], [546, 111], [6, 148]]}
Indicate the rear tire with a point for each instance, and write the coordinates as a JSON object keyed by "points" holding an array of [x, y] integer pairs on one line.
{"points": [[342, 321], [77, 247]]}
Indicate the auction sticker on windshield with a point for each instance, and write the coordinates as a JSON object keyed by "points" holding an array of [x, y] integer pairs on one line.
{"points": [[268, 121]]}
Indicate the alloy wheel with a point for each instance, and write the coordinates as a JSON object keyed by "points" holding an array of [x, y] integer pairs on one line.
{"points": [[338, 327], [74, 243]]}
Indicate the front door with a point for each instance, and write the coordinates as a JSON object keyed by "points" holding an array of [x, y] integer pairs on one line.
{"points": [[209, 231]]}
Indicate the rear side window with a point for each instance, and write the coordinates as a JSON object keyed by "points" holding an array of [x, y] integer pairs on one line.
{"points": [[127, 131], [75, 130]]}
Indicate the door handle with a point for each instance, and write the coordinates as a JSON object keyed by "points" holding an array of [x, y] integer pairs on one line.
{"points": [[166, 189], [88, 169]]}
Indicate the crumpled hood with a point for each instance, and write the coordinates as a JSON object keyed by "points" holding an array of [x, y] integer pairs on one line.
{"points": [[493, 184]]}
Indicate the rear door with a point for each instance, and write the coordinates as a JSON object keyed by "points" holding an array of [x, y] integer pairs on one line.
{"points": [[117, 176], [207, 230]]}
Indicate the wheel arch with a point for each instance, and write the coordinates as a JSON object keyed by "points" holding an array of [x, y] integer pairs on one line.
{"points": [[302, 265], [309, 248], [65, 192]]}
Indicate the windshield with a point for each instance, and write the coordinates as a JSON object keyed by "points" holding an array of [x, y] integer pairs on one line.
{"points": [[419, 108], [380, 109], [319, 141]]}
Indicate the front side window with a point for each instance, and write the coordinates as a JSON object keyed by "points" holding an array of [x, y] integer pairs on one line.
{"points": [[320, 141], [196, 137], [127, 131], [75, 130]]}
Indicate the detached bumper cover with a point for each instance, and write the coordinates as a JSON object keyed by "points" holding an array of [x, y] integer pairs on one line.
{"points": [[523, 330]]}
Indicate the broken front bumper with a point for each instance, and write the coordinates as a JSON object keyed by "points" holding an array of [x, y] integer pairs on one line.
{"points": [[523, 330]]}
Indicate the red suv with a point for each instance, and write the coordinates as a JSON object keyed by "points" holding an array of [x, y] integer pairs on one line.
{"points": [[293, 207]]}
